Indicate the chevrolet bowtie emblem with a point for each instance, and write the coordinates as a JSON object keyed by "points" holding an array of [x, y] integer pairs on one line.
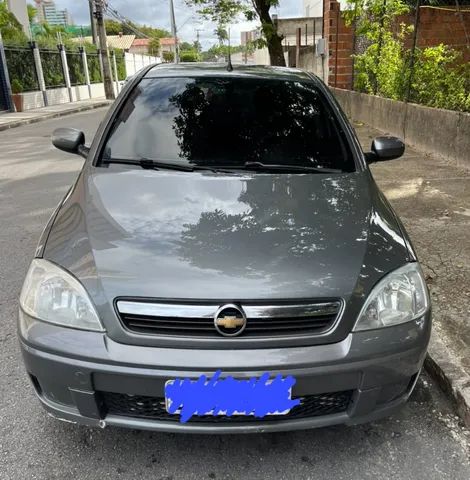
{"points": [[230, 322]]}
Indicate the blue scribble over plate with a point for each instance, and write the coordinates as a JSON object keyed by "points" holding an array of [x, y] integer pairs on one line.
{"points": [[257, 396]]}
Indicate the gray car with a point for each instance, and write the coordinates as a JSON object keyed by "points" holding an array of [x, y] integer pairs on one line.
{"points": [[224, 263]]}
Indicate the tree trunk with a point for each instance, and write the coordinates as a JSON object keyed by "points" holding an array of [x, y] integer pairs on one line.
{"points": [[273, 39]]}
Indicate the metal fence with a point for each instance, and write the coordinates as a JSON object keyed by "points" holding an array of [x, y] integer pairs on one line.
{"points": [[52, 69], [94, 67], [76, 70], [422, 56], [22, 70]]}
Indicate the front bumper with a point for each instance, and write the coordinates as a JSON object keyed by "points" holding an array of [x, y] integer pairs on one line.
{"points": [[71, 369]]}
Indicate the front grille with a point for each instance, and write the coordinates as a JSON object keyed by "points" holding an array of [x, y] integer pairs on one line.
{"points": [[153, 408], [198, 320]]}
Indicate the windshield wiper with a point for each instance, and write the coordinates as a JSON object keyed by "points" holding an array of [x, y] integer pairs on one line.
{"points": [[157, 165], [289, 168]]}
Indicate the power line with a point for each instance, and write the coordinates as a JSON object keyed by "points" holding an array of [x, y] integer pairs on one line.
{"points": [[113, 12]]}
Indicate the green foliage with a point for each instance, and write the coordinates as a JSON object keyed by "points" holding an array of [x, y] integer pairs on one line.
{"points": [[217, 52], [224, 12], [168, 57], [10, 27], [154, 46], [189, 56], [185, 46], [32, 11], [21, 68], [94, 67], [438, 78], [52, 68], [76, 72], [115, 28], [120, 64], [189, 52], [154, 32], [197, 46], [221, 34], [16, 86]]}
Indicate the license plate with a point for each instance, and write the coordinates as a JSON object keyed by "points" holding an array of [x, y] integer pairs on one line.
{"points": [[217, 396]]}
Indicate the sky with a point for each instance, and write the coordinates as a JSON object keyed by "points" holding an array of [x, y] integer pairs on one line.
{"points": [[156, 13]]}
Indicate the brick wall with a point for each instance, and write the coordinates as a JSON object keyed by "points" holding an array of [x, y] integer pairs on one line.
{"points": [[441, 25], [437, 25], [340, 41]]}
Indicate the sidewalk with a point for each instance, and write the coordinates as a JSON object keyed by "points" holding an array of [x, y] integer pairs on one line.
{"points": [[12, 120], [432, 198]]}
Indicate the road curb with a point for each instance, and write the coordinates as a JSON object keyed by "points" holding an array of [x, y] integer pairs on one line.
{"points": [[451, 377], [49, 116]]}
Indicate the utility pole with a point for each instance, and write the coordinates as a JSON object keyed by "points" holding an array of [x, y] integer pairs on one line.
{"points": [[197, 40], [108, 81], [93, 23], [173, 31]]}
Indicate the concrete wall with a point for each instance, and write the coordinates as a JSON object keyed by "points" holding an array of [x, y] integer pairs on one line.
{"points": [[56, 96], [431, 130], [135, 62], [32, 100], [20, 11]]}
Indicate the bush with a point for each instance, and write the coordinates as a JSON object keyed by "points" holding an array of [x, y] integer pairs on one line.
{"points": [[94, 67], [21, 68], [52, 68], [168, 56], [76, 72], [439, 80], [189, 56], [16, 86], [120, 64]]}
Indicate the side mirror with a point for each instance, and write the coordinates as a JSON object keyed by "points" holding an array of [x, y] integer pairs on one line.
{"points": [[385, 148], [70, 140]]}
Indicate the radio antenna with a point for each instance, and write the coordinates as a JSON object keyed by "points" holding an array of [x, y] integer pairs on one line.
{"points": [[229, 64]]}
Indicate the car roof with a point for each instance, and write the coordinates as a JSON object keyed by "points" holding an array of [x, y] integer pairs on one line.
{"points": [[220, 69]]}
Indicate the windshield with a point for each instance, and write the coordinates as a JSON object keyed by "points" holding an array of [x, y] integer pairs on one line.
{"points": [[228, 122]]}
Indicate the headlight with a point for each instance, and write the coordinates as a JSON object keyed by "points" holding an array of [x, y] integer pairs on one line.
{"points": [[51, 294], [401, 296]]}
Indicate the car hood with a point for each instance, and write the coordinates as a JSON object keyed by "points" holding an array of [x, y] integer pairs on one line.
{"points": [[177, 235], [170, 234]]}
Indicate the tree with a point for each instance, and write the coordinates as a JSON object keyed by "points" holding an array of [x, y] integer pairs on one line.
{"points": [[32, 11], [221, 34], [185, 46], [189, 56], [115, 28], [129, 28], [154, 32], [10, 27], [168, 56], [154, 46], [225, 11]]}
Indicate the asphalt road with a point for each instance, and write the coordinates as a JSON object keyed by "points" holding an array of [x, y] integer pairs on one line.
{"points": [[423, 441]]}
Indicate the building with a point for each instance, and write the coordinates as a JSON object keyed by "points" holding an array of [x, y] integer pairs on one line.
{"points": [[122, 42], [310, 31], [313, 8], [250, 36], [47, 12], [19, 10], [167, 44], [140, 45]]}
